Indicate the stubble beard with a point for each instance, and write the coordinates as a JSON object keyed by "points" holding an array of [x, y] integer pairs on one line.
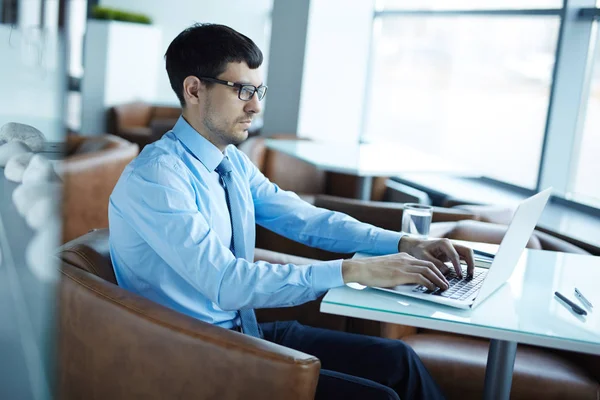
{"points": [[219, 133]]}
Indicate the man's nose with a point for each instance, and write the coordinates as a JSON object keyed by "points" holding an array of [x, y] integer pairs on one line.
{"points": [[253, 105]]}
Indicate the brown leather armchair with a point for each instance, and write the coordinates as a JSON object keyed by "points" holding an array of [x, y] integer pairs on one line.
{"points": [[91, 168], [141, 123], [113, 344], [289, 173]]}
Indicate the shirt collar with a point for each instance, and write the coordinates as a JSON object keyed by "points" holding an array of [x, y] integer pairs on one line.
{"points": [[206, 152]]}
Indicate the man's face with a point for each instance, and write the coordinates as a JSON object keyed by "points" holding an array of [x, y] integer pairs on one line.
{"points": [[223, 116]]}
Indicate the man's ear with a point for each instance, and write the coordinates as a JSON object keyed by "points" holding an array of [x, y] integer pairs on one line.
{"points": [[192, 89]]}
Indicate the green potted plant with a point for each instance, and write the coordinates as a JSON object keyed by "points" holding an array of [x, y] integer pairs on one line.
{"points": [[113, 14]]}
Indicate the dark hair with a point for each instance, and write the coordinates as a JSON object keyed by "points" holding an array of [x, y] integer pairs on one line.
{"points": [[205, 50]]}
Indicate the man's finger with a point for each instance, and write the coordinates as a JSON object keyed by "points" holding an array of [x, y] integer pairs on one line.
{"points": [[466, 254], [445, 246], [434, 278], [432, 272], [421, 280], [439, 264]]}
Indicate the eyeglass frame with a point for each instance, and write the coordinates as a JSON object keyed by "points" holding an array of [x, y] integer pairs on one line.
{"points": [[240, 86]]}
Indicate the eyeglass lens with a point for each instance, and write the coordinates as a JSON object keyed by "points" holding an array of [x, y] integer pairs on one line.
{"points": [[246, 92]]}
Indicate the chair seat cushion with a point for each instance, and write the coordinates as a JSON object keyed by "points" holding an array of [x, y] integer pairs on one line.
{"points": [[457, 363]]}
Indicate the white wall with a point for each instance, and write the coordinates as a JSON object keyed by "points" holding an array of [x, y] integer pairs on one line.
{"points": [[116, 71], [252, 18]]}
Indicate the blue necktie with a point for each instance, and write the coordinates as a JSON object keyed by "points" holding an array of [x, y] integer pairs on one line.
{"points": [[238, 244]]}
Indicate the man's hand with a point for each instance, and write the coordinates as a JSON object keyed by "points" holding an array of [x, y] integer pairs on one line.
{"points": [[392, 270], [439, 251]]}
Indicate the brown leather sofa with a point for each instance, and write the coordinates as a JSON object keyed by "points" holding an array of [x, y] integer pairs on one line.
{"points": [[141, 123], [90, 170], [113, 344]]}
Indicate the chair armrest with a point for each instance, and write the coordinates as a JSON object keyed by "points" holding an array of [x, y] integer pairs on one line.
{"points": [[116, 344], [384, 214]]}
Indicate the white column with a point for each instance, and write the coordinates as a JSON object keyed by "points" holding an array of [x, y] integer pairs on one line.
{"points": [[286, 63]]}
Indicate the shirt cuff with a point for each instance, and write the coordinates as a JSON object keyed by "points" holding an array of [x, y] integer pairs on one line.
{"points": [[326, 275], [388, 242]]}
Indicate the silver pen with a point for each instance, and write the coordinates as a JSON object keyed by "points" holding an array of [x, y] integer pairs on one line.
{"points": [[581, 297]]}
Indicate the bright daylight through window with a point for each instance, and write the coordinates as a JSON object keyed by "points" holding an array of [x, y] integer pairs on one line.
{"points": [[470, 88], [586, 175]]}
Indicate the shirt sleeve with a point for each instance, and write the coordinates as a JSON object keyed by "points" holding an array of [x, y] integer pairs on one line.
{"points": [[160, 204], [285, 213]]}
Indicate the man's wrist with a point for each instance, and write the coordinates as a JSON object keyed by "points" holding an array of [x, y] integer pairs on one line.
{"points": [[406, 244], [350, 271]]}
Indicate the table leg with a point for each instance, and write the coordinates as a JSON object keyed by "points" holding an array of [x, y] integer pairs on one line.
{"points": [[363, 188], [499, 369]]}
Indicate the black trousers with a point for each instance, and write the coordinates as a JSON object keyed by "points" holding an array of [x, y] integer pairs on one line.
{"points": [[357, 366]]}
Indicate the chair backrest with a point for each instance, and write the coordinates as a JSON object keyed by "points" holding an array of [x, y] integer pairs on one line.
{"points": [[138, 114], [90, 253], [165, 112], [287, 172], [130, 115], [89, 178]]}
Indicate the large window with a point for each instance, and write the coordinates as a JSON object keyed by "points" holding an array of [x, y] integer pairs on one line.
{"points": [[510, 88], [586, 178], [470, 88]]}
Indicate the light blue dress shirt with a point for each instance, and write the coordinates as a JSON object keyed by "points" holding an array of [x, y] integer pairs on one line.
{"points": [[170, 233]]}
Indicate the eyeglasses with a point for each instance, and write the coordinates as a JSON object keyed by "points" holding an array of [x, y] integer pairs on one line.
{"points": [[245, 92]]}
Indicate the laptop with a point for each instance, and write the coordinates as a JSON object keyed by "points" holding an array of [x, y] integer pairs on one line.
{"points": [[490, 273]]}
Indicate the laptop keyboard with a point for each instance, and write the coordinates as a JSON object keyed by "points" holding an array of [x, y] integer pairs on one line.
{"points": [[459, 289]]}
